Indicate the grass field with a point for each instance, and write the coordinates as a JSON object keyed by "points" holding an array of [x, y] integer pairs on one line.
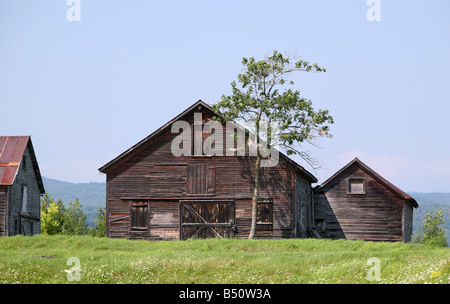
{"points": [[43, 259]]}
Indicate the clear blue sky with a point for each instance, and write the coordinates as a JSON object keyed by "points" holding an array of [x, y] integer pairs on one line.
{"points": [[86, 91]]}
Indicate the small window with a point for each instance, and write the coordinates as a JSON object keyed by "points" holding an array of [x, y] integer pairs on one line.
{"points": [[356, 186], [264, 218], [139, 215], [25, 199], [321, 225], [16, 226]]}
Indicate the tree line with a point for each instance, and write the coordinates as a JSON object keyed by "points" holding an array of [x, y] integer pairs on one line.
{"points": [[57, 218]]}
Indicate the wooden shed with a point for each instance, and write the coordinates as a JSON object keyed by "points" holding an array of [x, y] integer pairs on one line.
{"points": [[152, 194], [21, 187], [358, 203]]}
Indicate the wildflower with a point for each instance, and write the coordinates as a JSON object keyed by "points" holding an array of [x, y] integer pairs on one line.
{"points": [[435, 274]]}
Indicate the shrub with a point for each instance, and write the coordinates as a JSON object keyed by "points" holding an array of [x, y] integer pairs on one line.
{"points": [[431, 232]]}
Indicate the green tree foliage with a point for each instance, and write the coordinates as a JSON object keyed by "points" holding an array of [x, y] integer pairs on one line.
{"points": [[52, 215], [431, 202], [56, 218], [75, 221], [99, 228], [258, 98], [432, 233], [90, 194]]}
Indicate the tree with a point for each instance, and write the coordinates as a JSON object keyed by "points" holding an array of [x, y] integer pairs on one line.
{"points": [[75, 221], [53, 215], [259, 100], [56, 218], [432, 233], [99, 228]]}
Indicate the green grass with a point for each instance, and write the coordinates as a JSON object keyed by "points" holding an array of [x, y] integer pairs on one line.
{"points": [[43, 259]]}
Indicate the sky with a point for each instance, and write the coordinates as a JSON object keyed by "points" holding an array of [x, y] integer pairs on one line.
{"points": [[88, 89]]}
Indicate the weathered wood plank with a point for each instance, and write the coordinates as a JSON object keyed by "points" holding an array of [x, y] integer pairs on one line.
{"points": [[152, 173], [374, 215]]}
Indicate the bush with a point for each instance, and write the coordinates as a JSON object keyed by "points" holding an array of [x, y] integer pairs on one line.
{"points": [[431, 232], [58, 219]]}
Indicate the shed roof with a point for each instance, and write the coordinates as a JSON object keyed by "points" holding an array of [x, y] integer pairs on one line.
{"points": [[104, 168], [12, 149], [356, 161]]}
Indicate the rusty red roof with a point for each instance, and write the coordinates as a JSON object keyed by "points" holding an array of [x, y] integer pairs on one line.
{"points": [[11, 153]]}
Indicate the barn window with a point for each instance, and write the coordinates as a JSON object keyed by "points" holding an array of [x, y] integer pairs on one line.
{"points": [[356, 186], [264, 218], [24, 199], [139, 215], [201, 179]]}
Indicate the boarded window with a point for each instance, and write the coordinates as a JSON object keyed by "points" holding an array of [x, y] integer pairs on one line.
{"points": [[264, 212], [201, 179], [356, 186], [264, 218], [139, 215]]}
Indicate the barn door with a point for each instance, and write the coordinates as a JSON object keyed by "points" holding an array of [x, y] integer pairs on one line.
{"points": [[205, 219]]}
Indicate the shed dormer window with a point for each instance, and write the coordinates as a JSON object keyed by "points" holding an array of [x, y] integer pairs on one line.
{"points": [[356, 186]]}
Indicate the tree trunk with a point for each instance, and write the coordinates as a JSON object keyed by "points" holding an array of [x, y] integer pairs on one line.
{"points": [[255, 197]]}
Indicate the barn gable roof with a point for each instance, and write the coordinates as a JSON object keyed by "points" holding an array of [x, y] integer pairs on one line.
{"points": [[12, 149], [375, 175], [199, 103]]}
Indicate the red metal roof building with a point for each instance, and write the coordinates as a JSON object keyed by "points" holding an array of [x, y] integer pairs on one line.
{"points": [[20, 187]]}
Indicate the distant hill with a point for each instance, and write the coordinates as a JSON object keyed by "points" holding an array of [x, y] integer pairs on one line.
{"points": [[93, 195]]}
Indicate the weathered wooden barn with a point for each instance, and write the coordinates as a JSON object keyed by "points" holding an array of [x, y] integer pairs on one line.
{"points": [[358, 203], [152, 194], [21, 187]]}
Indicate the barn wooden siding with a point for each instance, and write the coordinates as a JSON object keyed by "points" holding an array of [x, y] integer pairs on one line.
{"points": [[152, 174], [3, 210], [378, 214], [304, 208], [408, 210]]}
